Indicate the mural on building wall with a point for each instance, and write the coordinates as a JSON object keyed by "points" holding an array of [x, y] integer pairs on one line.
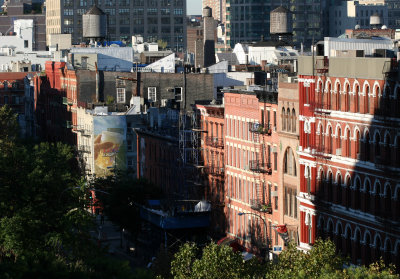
{"points": [[109, 144]]}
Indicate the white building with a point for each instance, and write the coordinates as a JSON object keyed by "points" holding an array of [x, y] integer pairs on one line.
{"points": [[351, 13], [269, 52], [16, 52]]}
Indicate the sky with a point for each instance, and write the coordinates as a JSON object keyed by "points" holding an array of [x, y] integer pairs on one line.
{"points": [[193, 7]]}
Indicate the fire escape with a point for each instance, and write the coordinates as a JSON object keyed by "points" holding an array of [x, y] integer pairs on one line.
{"points": [[259, 166]]}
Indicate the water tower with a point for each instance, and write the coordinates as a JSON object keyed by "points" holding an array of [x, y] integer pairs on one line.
{"points": [[281, 25], [94, 24], [375, 21]]}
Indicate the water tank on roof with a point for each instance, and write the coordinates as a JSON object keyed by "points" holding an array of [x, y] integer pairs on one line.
{"points": [[207, 12], [281, 21], [375, 20], [94, 23]]}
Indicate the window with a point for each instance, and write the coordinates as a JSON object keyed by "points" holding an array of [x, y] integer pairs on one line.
{"points": [[276, 197], [289, 162], [275, 119], [151, 94], [283, 119], [289, 120], [129, 144], [357, 95], [307, 95], [120, 95], [290, 200], [367, 107], [26, 43], [293, 121], [307, 175], [178, 94], [275, 161]]}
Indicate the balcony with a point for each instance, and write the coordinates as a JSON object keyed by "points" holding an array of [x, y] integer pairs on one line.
{"points": [[215, 142], [260, 167], [261, 206], [264, 129], [215, 171]]}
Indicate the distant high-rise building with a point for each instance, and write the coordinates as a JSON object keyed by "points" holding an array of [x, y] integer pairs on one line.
{"points": [[25, 9], [249, 20], [154, 20], [349, 14]]}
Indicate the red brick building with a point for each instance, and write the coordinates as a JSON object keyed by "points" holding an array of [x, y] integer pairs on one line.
{"points": [[251, 167], [17, 93], [350, 156], [212, 127]]}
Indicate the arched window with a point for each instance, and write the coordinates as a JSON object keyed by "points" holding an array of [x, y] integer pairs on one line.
{"points": [[338, 97], [308, 222], [378, 210], [339, 142], [348, 248], [367, 198], [358, 99], [294, 121], [358, 143], [330, 140], [348, 192], [367, 147], [367, 244], [388, 201], [356, 196], [348, 142], [397, 151], [377, 147], [377, 99], [329, 94], [357, 247], [330, 187], [307, 175], [367, 101], [339, 239], [378, 246], [289, 162], [339, 189], [321, 185], [283, 119], [388, 252], [388, 153], [288, 120], [347, 97]]}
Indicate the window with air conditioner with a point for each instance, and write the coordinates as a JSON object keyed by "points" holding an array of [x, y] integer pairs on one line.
{"points": [[178, 94], [151, 94], [120, 95]]}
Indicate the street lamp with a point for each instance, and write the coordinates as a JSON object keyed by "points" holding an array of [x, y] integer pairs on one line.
{"points": [[265, 225]]}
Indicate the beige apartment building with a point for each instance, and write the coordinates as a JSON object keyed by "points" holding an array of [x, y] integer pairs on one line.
{"points": [[154, 20]]}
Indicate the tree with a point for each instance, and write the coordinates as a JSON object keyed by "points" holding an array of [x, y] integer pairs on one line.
{"points": [[44, 224], [162, 44], [215, 261]]}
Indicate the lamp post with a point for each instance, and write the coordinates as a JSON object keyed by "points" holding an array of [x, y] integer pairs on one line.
{"points": [[265, 225]]}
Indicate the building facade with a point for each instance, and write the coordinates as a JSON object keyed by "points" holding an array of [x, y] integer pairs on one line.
{"points": [[251, 168], [349, 156], [213, 156], [27, 9], [154, 20], [289, 174]]}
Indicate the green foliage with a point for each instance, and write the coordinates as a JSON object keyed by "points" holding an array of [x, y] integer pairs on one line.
{"points": [[44, 225], [162, 44], [321, 262], [110, 100], [214, 261]]}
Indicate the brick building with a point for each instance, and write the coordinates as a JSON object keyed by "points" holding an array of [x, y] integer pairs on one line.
{"points": [[289, 170], [212, 127], [349, 156], [251, 167], [16, 92]]}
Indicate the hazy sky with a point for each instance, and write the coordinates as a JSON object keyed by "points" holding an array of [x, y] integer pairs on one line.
{"points": [[193, 7]]}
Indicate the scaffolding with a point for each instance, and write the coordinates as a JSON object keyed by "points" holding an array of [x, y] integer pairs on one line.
{"points": [[190, 154]]}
